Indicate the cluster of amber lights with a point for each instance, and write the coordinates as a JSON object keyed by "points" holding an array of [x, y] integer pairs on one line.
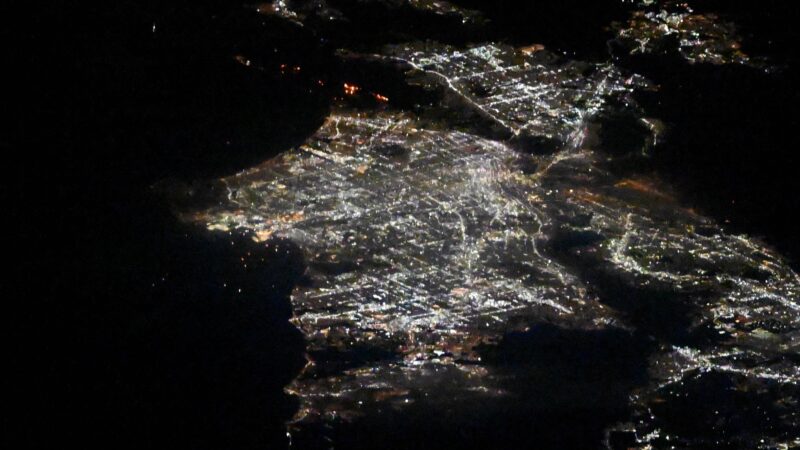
{"points": [[349, 88], [352, 89]]}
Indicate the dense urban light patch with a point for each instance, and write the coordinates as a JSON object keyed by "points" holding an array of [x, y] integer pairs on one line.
{"points": [[426, 245], [671, 25]]}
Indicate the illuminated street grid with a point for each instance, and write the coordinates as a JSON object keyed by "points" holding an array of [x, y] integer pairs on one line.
{"points": [[423, 243], [524, 92], [440, 252]]}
